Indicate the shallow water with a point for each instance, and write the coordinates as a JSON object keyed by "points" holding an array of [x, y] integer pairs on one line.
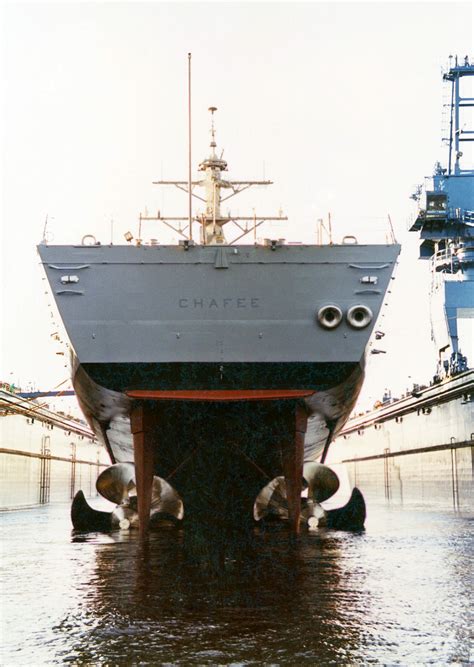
{"points": [[398, 593]]}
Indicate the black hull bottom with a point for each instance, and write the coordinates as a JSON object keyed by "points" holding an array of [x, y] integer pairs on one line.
{"points": [[207, 376], [218, 455]]}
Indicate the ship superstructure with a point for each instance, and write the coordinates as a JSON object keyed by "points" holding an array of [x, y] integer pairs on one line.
{"points": [[211, 220], [217, 367]]}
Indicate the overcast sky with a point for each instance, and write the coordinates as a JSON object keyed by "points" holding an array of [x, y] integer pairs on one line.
{"points": [[340, 104]]}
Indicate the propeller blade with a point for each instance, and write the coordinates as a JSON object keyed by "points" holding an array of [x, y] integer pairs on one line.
{"points": [[271, 501], [350, 517], [322, 481], [116, 482], [165, 500], [85, 518]]}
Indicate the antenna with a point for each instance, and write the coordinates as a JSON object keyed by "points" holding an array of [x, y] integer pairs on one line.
{"points": [[44, 228], [213, 130], [211, 220], [322, 228], [190, 194]]}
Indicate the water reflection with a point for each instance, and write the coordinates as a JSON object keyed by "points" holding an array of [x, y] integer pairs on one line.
{"points": [[398, 593], [171, 600]]}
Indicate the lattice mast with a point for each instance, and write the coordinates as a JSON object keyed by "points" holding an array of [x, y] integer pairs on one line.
{"points": [[211, 220]]}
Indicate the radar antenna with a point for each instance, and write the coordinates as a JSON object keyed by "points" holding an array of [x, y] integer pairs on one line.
{"points": [[211, 219]]}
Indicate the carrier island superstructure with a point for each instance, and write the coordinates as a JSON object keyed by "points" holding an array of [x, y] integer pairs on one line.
{"points": [[420, 448], [211, 368]]}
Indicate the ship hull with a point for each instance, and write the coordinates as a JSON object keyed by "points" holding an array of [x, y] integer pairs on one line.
{"points": [[152, 305], [221, 347], [218, 453]]}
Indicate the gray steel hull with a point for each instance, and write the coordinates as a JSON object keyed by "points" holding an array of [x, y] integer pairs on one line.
{"points": [[165, 305]]}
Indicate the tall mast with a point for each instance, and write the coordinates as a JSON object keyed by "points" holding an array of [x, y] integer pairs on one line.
{"points": [[211, 220], [190, 186]]}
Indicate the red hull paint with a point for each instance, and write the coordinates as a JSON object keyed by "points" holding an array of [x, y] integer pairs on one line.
{"points": [[220, 394]]}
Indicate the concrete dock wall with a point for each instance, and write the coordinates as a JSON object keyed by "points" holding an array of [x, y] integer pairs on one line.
{"points": [[417, 450], [440, 477], [44, 456]]}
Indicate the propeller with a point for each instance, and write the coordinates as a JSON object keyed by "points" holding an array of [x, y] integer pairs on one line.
{"points": [[117, 485], [271, 502], [349, 517], [116, 482], [84, 518], [320, 483]]}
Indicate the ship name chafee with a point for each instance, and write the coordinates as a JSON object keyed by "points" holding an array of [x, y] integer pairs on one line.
{"points": [[226, 302]]}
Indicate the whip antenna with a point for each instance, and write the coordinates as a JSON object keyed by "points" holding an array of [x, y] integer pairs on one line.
{"points": [[190, 194]]}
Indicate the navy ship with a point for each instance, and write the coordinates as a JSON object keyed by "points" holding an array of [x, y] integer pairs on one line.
{"points": [[420, 447], [216, 372]]}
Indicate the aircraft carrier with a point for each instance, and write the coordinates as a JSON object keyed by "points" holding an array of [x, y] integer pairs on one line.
{"points": [[420, 448], [214, 369]]}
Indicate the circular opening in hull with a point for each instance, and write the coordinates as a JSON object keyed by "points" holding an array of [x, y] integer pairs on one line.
{"points": [[329, 316], [359, 316]]}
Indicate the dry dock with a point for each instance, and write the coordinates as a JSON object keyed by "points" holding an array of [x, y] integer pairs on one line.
{"points": [[417, 450], [45, 456]]}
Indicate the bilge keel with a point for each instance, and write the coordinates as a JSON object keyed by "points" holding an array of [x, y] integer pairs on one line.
{"points": [[214, 368]]}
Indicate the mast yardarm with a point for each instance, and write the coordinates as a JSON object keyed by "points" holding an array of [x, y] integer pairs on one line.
{"points": [[211, 219]]}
